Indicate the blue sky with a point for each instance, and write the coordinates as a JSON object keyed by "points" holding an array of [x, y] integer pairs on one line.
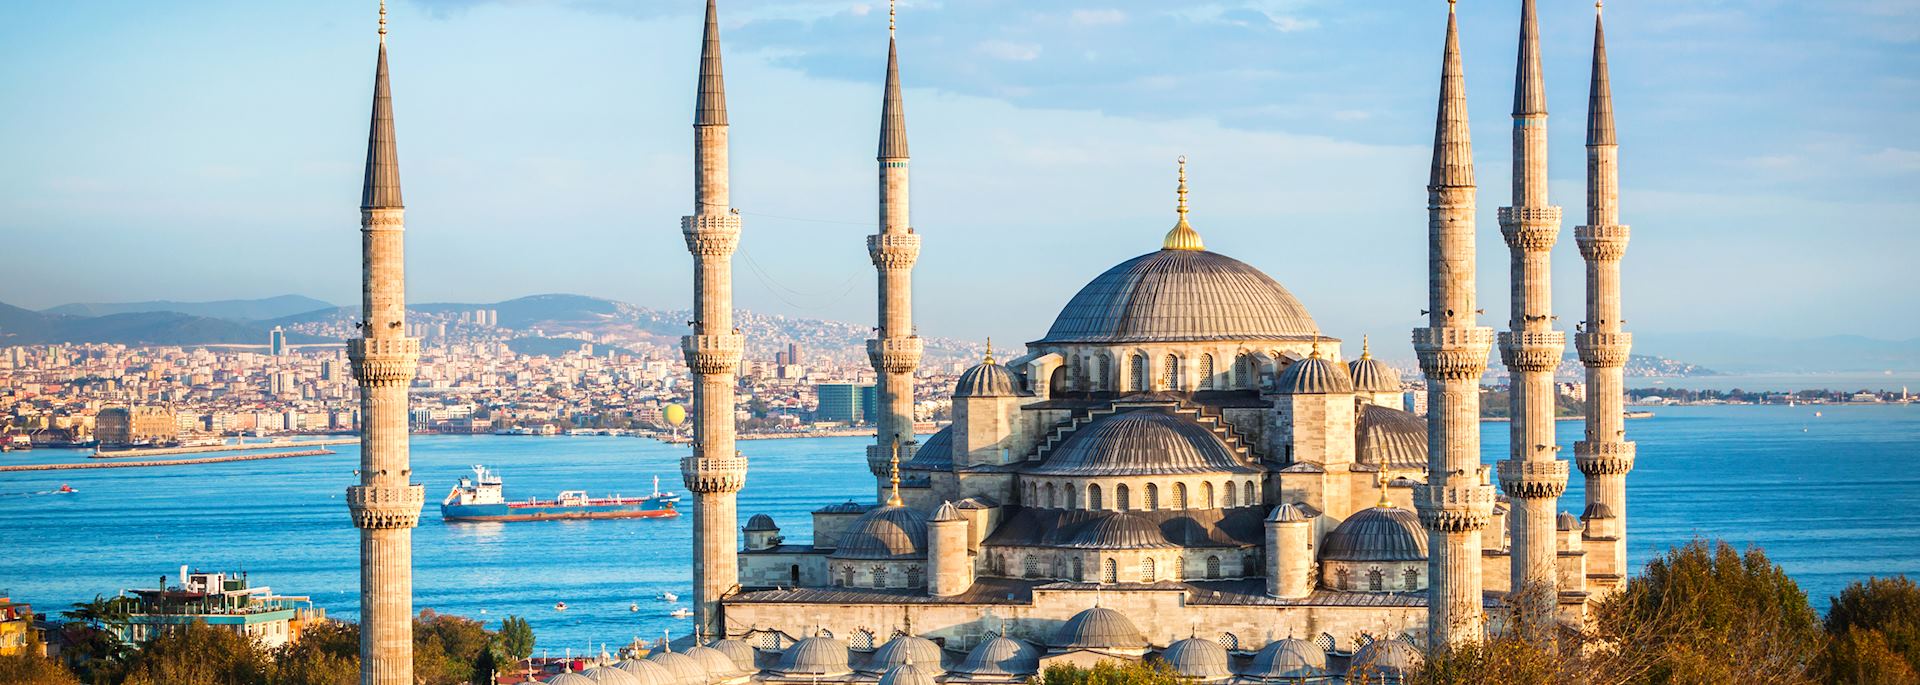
{"points": [[212, 149]]}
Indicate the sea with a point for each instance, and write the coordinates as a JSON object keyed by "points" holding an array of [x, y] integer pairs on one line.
{"points": [[1830, 492]]}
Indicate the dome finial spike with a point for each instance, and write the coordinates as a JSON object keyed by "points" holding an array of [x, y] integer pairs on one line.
{"points": [[893, 500], [893, 12], [1384, 502], [1182, 237], [383, 22], [1366, 348], [989, 350]]}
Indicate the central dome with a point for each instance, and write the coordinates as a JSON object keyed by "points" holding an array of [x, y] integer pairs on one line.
{"points": [[1181, 295]]}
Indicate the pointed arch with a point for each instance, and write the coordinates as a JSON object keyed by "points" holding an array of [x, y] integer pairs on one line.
{"points": [[1146, 570], [1206, 495], [1093, 496], [1213, 567], [1137, 375], [1050, 492], [1179, 495], [1153, 497], [1228, 496], [1206, 372], [1171, 372], [1102, 372], [1122, 498], [1110, 571]]}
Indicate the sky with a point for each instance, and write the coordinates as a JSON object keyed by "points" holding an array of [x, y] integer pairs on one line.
{"points": [[212, 149]]}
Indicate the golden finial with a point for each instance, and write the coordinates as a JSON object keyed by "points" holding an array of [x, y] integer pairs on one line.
{"points": [[893, 11], [1450, 6], [989, 350], [1384, 502], [1182, 237], [1316, 348], [1597, 7], [893, 500], [383, 22], [1366, 350]]}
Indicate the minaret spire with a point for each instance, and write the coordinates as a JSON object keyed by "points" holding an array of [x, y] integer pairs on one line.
{"points": [[385, 504], [715, 471], [1456, 503], [1604, 456], [895, 353]]}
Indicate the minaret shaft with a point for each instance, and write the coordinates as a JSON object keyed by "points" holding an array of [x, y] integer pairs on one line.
{"points": [[1456, 502], [895, 354], [385, 505], [1532, 475], [715, 471], [1604, 456]]}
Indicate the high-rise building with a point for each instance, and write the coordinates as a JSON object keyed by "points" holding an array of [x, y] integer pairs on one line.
{"points": [[844, 402], [277, 342]]}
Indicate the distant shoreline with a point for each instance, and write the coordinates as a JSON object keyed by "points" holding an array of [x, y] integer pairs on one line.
{"points": [[163, 462]]}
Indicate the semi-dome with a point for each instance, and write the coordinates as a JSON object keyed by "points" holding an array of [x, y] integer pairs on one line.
{"points": [[1198, 659], [740, 652], [1143, 441], [716, 662], [935, 454], [608, 675], [1098, 628], [1566, 522], [1181, 295], [1288, 659], [1377, 534], [685, 669], [760, 523], [987, 379], [1387, 657], [907, 674], [816, 656], [1390, 437], [1313, 376], [647, 672], [1119, 530], [1001, 656], [570, 679], [890, 532], [1286, 513], [904, 649]]}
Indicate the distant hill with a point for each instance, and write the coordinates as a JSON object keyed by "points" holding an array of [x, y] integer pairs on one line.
{"points": [[249, 310], [26, 327], [1740, 353]]}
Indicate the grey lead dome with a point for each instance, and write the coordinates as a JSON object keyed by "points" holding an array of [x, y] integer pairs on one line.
{"points": [[1377, 534], [1098, 628], [889, 532], [1181, 296]]}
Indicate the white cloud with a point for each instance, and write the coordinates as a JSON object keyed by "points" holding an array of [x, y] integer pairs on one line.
{"points": [[1098, 17], [1010, 51], [1286, 24]]}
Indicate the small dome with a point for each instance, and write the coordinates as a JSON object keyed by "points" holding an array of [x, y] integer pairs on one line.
{"points": [[907, 674], [685, 669], [1597, 510], [921, 652], [647, 672], [1119, 530], [1001, 656], [847, 507], [1313, 376], [1286, 513], [1385, 657], [814, 657], [946, 512], [608, 675], [1289, 658], [1372, 375], [717, 663], [739, 652], [1566, 522], [1197, 658], [1377, 534], [987, 380], [761, 523], [1098, 628], [1389, 437], [1143, 441], [889, 532], [570, 679]]}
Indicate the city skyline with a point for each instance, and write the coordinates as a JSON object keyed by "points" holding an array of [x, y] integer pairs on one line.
{"points": [[225, 169]]}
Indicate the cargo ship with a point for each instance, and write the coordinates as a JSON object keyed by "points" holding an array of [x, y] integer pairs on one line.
{"points": [[481, 498]]}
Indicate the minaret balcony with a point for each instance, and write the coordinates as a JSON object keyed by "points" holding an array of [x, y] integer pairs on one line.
{"points": [[1603, 350], [1454, 508], [1602, 243], [383, 361], [1453, 352], [720, 474], [1535, 351], [895, 355], [894, 250], [1531, 229], [1602, 458], [381, 507], [880, 457], [713, 354], [711, 234], [1533, 479], [382, 218]]}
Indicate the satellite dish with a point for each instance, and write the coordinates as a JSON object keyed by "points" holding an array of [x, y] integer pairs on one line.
{"points": [[676, 414]]}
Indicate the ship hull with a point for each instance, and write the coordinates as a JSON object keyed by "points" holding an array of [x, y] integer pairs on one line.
{"points": [[553, 512]]}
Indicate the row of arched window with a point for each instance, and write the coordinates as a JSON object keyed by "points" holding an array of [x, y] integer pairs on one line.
{"points": [[1070, 495], [882, 577], [1151, 569], [1248, 372], [1377, 580]]}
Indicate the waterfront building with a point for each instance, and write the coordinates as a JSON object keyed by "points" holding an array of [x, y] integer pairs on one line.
{"points": [[220, 600], [1183, 452], [16, 625], [138, 425], [844, 402]]}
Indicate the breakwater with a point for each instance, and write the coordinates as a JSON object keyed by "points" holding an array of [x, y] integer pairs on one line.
{"points": [[165, 462], [203, 449]]}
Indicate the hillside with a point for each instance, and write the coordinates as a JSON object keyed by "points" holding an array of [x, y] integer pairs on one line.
{"points": [[249, 310]]}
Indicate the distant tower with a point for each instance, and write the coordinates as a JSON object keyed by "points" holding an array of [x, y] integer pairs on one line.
{"points": [[277, 341], [1605, 456], [1533, 474], [1456, 502], [715, 472], [896, 353], [385, 505]]}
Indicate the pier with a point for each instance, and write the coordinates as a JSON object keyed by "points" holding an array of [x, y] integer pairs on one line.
{"points": [[164, 462], [203, 449]]}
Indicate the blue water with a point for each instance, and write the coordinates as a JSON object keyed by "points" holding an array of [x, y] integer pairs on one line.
{"points": [[1833, 498]]}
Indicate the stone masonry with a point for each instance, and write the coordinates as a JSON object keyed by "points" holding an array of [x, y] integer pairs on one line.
{"points": [[896, 352]]}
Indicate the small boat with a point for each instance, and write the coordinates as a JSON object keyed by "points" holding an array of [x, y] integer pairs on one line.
{"points": [[559, 606], [668, 597], [633, 607], [65, 489], [682, 612]]}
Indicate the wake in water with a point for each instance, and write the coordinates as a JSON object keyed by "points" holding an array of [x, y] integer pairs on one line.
{"points": [[64, 489]]}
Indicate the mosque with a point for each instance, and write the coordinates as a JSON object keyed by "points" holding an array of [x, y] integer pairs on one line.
{"points": [[1183, 467]]}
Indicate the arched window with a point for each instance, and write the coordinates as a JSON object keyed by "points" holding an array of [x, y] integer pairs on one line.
{"points": [[1172, 369], [1033, 494], [879, 576], [1050, 500], [1243, 371], [793, 575], [1079, 373], [1179, 495], [915, 577], [1206, 495], [1146, 570], [1206, 372], [1102, 372], [1249, 497], [1110, 571], [1093, 497], [1413, 580], [1079, 570], [1180, 567], [1122, 498], [1230, 641], [1213, 567], [846, 575], [1325, 641], [1071, 494], [1153, 497], [861, 639], [1137, 381], [1342, 579], [1376, 581], [1229, 495], [1033, 566]]}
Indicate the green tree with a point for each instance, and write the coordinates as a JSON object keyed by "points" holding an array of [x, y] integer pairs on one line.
{"points": [[1874, 632], [1706, 613], [1109, 673], [516, 639], [198, 654], [445, 648], [328, 653], [29, 668]]}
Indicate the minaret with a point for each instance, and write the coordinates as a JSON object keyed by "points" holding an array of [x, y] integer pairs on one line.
{"points": [[385, 505], [1456, 501], [1604, 457], [896, 352], [715, 472], [1533, 475]]}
